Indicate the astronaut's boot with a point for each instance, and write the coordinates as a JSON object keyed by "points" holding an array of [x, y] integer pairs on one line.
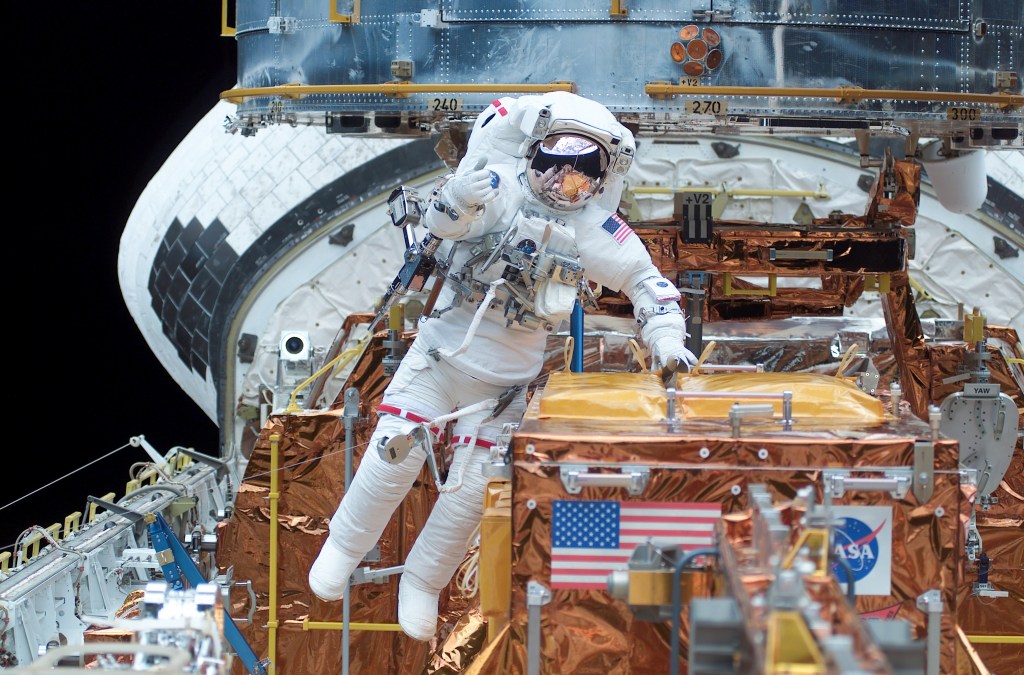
{"points": [[417, 608], [375, 492], [331, 570], [439, 550]]}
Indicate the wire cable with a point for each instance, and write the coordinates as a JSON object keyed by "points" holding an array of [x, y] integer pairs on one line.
{"points": [[70, 473]]}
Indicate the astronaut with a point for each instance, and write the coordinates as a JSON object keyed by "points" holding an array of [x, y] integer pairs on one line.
{"points": [[528, 220]]}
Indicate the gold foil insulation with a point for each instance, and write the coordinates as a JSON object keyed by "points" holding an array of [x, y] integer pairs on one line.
{"points": [[639, 396], [814, 396]]}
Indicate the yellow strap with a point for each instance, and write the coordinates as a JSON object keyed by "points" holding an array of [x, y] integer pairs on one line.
{"points": [[703, 357], [847, 357], [567, 353], [638, 354]]}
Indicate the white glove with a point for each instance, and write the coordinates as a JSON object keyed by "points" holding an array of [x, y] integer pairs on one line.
{"points": [[669, 351], [664, 334], [470, 191]]}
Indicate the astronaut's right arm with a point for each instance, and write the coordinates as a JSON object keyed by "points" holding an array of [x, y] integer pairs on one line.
{"points": [[458, 207]]}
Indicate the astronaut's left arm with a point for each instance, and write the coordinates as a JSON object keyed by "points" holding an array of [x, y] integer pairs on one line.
{"points": [[656, 309]]}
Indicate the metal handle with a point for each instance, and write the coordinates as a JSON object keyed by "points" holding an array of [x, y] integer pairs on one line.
{"points": [[577, 476], [671, 394], [896, 483], [790, 254], [226, 591]]}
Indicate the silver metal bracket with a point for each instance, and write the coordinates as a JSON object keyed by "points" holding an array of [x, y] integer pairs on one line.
{"points": [[896, 482], [225, 584], [924, 470], [364, 575], [577, 476], [973, 547], [282, 25], [712, 14], [537, 595], [739, 411], [987, 590], [930, 602]]}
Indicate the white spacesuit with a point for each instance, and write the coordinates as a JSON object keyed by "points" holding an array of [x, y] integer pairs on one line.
{"points": [[531, 215]]}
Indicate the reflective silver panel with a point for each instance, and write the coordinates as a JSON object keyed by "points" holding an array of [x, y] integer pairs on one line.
{"points": [[953, 66]]}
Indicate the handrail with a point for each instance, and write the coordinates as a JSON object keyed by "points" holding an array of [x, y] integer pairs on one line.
{"points": [[752, 192], [841, 94], [341, 360], [272, 623], [225, 29], [396, 89], [355, 625]]}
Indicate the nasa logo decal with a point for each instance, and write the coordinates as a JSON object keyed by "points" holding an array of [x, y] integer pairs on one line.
{"points": [[863, 538], [858, 544]]}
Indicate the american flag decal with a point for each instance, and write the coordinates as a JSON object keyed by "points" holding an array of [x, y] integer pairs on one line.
{"points": [[617, 227], [591, 539], [499, 107]]}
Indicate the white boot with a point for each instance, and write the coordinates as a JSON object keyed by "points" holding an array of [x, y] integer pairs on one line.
{"points": [[439, 550], [417, 609], [331, 570]]}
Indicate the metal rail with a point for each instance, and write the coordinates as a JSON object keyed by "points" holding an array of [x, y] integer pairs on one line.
{"points": [[396, 89], [840, 94]]}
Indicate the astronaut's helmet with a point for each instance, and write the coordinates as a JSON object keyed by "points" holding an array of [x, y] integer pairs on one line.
{"points": [[566, 170]]}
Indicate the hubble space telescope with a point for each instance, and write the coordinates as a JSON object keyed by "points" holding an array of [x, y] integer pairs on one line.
{"points": [[837, 190]]}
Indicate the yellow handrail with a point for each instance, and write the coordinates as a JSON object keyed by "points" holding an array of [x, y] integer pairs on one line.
{"points": [[346, 355], [397, 89], [997, 639], [816, 194], [275, 443], [225, 29], [337, 625], [841, 94]]}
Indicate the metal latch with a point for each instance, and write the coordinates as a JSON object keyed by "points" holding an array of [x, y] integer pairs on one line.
{"points": [[712, 14], [896, 482], [278, 25], [577, 476]]}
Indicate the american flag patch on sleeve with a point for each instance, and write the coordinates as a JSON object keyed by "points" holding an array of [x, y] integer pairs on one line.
{"points": [[617, 227]]}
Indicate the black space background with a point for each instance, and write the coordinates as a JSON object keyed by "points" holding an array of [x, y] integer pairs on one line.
{"points": [[103, 93]]}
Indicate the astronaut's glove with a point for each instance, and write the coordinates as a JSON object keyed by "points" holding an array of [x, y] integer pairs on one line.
{"points": [[664, 336], [670, 352], [468, 193]]}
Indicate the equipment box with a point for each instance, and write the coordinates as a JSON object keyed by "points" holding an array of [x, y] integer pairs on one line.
{"points": [[596, 469]]}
